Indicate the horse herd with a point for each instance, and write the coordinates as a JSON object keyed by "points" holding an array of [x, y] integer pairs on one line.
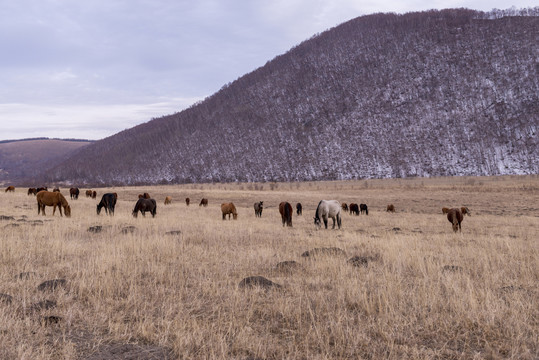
{"points": [[325, 210]]}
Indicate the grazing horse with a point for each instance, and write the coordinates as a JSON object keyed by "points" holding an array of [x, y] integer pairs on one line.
{"points": [[259, 206], [354, 209], [229, 209], [108, 201], [345, 206], [364, 209], [74, 193], [32, 191], [455, 217], [445, 210], [88, 193], [56, 190], [54, 199], [10, 188], [328, 209], [299, 209], [390, 208], [203, 202], [187, 201], [41, 189], [144, 205], [168, 200], [94, 194], [286, 213]]}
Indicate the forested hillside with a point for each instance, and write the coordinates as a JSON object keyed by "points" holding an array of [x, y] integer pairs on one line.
{"points": [[452, 92]]}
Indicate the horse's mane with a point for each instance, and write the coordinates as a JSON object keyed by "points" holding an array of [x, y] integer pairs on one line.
{"points": [[316, 216]]}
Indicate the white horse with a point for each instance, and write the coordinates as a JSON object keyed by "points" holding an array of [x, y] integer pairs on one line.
{"points": [[328, 209]]}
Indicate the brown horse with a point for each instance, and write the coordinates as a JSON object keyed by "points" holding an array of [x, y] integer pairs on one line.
{"points": [[203, 202], [94, 194], [286, 213], [187, 201], [345, 206], [299, 209], [445, 210], [227, 209], [88, 193], [354, 209], [455, 217], [74, 193], [54, 199], [10, 188], [390, 208], [56, 190], [168, 200], [32, 191]]}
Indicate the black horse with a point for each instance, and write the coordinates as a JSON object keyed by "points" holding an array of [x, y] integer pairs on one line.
{"points": [[144, 205], [299, 209], [108, 201], [364, 209], [74, 193]]}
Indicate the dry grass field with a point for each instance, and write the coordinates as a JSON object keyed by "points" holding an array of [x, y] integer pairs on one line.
{"points": [[168, 287]]}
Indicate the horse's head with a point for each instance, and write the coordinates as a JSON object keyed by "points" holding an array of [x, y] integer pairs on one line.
{"points": [[235, 216], [98, 209], [317, 222], [67, 210], [464, 210]]}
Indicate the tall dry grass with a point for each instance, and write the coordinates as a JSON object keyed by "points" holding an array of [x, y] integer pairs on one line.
{"points": [[426, 292]]}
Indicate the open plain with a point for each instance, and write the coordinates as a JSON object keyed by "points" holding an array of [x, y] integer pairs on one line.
{"points": [[393, 285]]}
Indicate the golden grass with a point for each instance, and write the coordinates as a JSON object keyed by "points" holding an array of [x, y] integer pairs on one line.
{"points": [[177, 295]]}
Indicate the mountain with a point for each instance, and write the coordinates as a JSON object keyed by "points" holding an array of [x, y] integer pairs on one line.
{"points": [[26, 158], [451, 92]]}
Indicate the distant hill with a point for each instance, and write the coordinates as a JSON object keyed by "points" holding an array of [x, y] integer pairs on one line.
{"points": [[451, 92], [26, 158]]}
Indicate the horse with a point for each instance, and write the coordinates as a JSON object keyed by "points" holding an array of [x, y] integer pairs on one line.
{"points": [[74, 193], [144, 205], [108, 201], [328, 209], [345, 206], [54, 199], [465, 211], [32, 191], [228, 209], [390, 208], [354, 209], [455, 217], [88, 193], [364, 209], [10, 188], [445, 210], [41, 189], [94, 194], [299, 209], [56, 189], [286, 213], [203, 202], [187, 201], [259, 206], [168, 200]]}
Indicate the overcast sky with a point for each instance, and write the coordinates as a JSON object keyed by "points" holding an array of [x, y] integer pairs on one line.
{"points": [[88, 69]]}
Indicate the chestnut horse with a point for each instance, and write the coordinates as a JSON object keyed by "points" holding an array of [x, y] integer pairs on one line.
{"points": [[10, 188], [54, 199], [32, 191], [286, 213], [228, 209], [168, 200], [203, 202]]}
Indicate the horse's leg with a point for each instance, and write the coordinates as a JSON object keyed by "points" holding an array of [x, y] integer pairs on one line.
{"points": [[339, 220], [43, 209], [60, 209], [333, 222], [325, 217], [53, 209]]}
